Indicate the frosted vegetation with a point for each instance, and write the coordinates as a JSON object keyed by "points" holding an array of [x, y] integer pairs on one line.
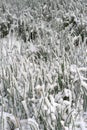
{"points": [[43, 64]]}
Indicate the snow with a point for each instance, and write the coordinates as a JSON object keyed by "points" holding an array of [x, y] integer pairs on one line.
{"points": [[43, 67]]}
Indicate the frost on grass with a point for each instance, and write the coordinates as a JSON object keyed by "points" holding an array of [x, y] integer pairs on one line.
{"points": [[43, 65]]}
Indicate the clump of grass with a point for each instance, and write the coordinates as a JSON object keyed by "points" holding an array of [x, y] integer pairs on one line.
{"points": [[43, 70]]}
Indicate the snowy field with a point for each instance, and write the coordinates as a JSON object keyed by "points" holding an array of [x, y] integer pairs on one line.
{"points": [[43, 65]]}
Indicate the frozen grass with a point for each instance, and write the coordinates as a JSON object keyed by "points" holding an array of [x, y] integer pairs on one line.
{"points": [[43, 65]]}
